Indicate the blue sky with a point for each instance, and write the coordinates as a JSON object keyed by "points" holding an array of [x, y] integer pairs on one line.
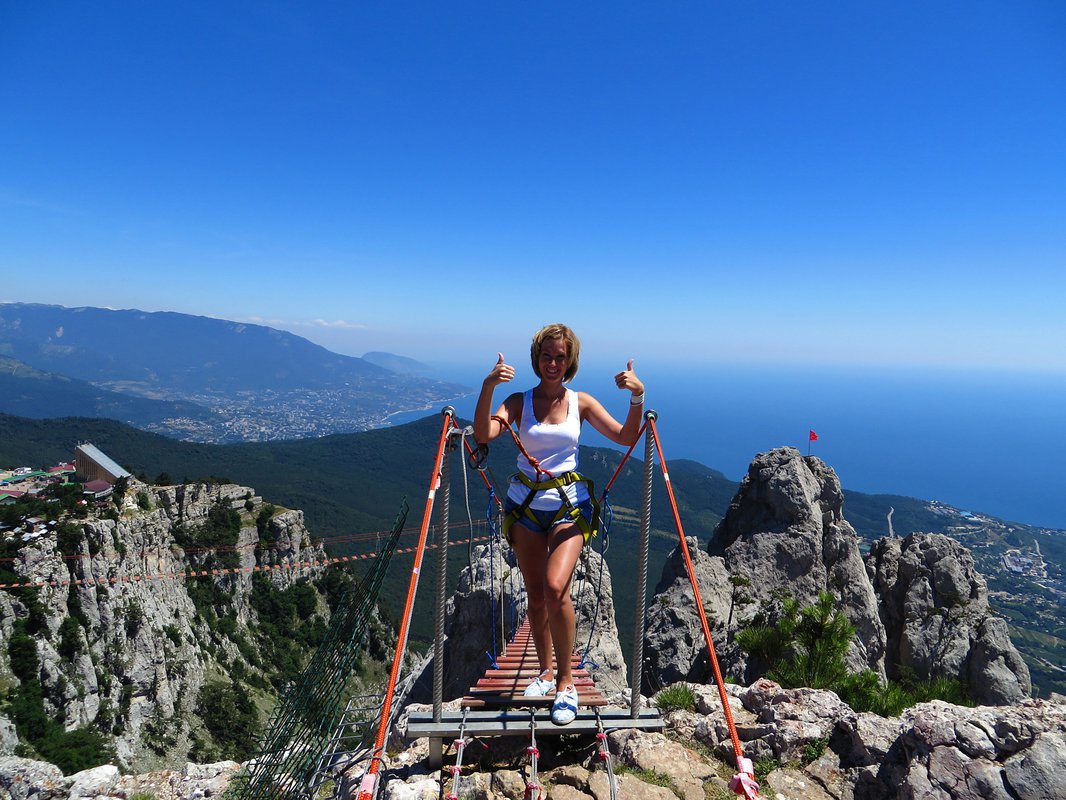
{"points": [[822, 182]]}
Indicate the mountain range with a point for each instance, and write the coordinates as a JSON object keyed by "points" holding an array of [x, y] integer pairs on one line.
{"points": [[237, 381]]}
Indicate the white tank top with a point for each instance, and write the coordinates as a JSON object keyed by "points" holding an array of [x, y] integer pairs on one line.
{"points": [[555, 446]]}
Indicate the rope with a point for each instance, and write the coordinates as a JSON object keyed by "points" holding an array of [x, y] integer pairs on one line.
{"points": [[744, 781], [460, 745], [521, 448], [605, 755], [493, 538], [606, 518], [467, 431], [532, 786]]}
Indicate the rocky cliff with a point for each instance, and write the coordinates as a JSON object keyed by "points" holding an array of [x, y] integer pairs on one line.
{"points": [[124, 638], [784, 530], [917, 605], [807, 745], [935, 608]]}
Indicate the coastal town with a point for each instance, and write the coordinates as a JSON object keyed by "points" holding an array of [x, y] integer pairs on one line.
{"points": [[274, 416]]}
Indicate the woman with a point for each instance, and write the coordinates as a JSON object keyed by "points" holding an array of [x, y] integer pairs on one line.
{"points": [[549, 418]]}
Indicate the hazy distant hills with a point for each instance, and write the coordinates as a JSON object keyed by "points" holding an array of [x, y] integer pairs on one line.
{"points": [[166, 350], [261, 383], [401, 364], [30, 392]]}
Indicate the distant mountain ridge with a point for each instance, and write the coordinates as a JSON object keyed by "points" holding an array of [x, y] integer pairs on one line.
{"points": [[168, 349], [29, 392], [262, 382], [401, 364]]}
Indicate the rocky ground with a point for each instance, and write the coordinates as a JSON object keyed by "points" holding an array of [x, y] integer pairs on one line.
{"points": [[806, 745]]}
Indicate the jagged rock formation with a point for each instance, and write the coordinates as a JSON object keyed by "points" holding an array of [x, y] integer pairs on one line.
{"points": [[674, 646], [490, 590], [136, 662], [812, 746], [784, 529], [918, 605], [935, 608]]}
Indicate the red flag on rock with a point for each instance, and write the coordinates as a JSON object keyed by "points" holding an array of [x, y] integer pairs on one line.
{"points": [[813, 437]]}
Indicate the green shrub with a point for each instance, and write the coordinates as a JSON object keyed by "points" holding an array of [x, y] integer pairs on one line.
{"points": [[68, 540], [22, 653], [806, 647], [76, 750], [69, 638], [678, 697], [230, 716], [262, 521], [812, 751]]}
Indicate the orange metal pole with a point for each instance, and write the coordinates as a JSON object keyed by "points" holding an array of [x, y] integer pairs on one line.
{"points": [[366, 786], [744, 787]]}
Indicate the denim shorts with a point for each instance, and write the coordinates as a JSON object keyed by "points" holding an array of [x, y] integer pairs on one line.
{"points": [[544, 518]]}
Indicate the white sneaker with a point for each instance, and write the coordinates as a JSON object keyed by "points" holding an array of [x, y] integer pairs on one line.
{"points": [[564, 709], [540, 687]]}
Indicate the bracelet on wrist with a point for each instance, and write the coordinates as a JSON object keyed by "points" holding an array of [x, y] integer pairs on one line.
{"points": [[637, 399]]}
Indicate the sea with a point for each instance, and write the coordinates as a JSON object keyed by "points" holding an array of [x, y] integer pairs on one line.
{"points": [[984, 441]]}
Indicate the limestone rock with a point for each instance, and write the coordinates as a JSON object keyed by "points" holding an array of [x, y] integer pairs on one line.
{"points": [[947, 751], [938, 622], [675, 648], [93, 782], [139, 659], [421, 788], [657, 753], [785, 528], [21, 778], [794, 784]]}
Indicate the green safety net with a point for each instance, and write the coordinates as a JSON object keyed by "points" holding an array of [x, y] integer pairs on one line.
{"points": [[313, 720]]}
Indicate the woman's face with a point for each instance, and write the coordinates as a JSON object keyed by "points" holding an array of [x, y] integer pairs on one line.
{"points": [[554, 359]]}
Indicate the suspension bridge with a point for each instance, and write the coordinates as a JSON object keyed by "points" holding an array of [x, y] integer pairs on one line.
{"points": [[320, 733]]}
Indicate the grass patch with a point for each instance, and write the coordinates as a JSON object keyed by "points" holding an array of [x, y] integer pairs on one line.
{"points": [[647, 776], [678, 697]]}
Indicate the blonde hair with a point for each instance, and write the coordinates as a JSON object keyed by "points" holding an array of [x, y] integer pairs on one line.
{"points": [[556, 331]]}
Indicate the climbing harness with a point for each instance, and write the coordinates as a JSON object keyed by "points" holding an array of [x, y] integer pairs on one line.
{"points": [[567, 511]]}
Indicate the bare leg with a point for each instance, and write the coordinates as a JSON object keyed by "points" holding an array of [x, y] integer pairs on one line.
{"points": [[531, 549], [564, 548]]}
